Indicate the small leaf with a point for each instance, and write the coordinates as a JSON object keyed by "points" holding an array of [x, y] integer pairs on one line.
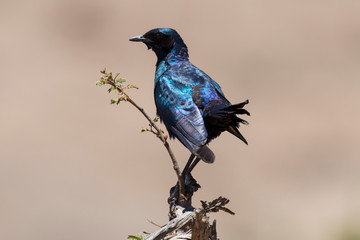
{"points": [[123, 98], [111, 89], [120, 80], [132, 86], [156, 119], [116, 75], [144, 129], [112, 101], [99, 83], [135, 237]]}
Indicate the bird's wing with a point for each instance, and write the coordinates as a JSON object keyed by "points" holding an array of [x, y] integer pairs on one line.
{"points": [[205, 80], [177, 110]]}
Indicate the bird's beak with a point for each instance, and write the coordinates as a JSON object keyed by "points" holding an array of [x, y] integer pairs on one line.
{"points": [[139, 38]]}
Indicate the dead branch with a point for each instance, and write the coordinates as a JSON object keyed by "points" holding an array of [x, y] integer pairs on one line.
{"points": [[172, 226], [116, 84]]}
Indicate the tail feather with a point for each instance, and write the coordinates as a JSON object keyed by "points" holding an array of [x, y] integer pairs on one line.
{"points": [[219, 117], [236, 133], [241, 120], [233, 128], [205, 154], [241, 111], [238, 105]]}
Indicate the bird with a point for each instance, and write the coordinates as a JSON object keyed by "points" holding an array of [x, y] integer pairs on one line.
{"points": [[192, 105]]}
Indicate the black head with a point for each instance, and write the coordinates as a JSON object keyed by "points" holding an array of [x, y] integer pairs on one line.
{"points": [[161, 40]]}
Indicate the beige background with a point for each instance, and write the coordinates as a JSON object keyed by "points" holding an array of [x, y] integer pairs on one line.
{"points": [[73, 167]]}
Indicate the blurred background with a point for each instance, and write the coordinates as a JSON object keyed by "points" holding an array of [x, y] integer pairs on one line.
{"points": [[72, 166]]}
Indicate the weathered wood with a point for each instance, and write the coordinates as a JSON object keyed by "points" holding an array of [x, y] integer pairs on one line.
{"points": [[192, 225], [213, 233], [173, 225], [182, 236], [201, 228]]}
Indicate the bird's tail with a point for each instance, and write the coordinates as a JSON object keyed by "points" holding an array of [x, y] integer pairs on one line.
{"points": [[235, 123], [205, 154]]}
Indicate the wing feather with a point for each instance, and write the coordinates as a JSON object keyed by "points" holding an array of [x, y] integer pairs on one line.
{"points": [[179, 113]]}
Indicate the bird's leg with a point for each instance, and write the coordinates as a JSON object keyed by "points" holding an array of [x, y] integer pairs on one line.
{"points": [[193, 165], [186, 168], [190, 186], [174, 191]]}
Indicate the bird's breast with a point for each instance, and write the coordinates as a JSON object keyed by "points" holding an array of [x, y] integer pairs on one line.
{"points": [[160, 70]]}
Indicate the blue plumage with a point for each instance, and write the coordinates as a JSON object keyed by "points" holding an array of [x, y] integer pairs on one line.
{"points": [[191, 104]]}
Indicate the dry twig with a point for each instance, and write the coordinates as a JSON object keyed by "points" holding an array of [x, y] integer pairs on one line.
{"points": [[116, 85]]}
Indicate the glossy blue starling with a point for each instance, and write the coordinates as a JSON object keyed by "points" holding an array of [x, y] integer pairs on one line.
{"points": [[191, 105]]}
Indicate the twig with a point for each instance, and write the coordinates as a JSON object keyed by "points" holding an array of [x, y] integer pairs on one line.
{"points": [[153, 223], [123, 96], [216, 205]]}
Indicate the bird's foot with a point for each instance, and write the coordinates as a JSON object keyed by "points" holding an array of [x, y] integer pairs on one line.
{"points": [[183, 198]]}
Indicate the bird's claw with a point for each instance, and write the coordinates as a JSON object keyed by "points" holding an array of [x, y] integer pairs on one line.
{"points": [[184, 198]]}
